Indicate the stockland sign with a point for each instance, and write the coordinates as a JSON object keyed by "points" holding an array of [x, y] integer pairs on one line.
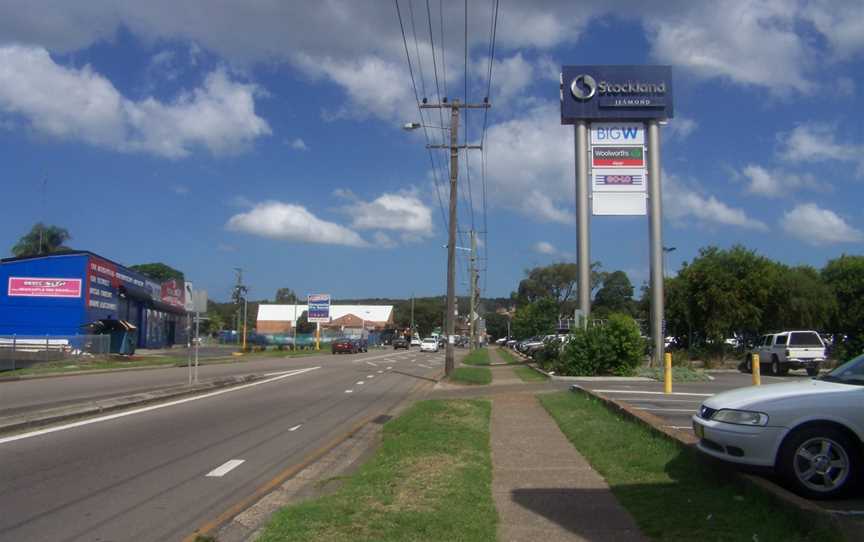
{"points": [[617, 133]]}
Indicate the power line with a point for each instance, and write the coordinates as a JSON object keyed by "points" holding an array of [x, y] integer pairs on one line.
{"points": [[443, 60], [470, 201]]}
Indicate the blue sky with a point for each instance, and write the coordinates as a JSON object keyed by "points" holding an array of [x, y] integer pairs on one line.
{"points": [[267, 135]]}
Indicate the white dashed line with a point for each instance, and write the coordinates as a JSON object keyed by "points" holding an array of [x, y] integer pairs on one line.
{"points": [[359, 382], [296, 427], [349, 391], [389, 367], [370, 376], [225, 468], [380, 372], [372, 364]]}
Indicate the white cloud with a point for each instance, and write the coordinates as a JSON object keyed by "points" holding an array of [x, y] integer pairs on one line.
{"points": [[680, 128], [776, 183], [510, 76], [816, 142], [530, 165], [814, 225], [683, 203], [395, 212], [290, 222], [544, 247], [383, 240], [297, 144], [344, 193], [81, 105]]}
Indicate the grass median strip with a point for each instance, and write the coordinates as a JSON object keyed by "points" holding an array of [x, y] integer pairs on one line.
{"points": [[528, 374], [471, 375], [508, 356], [671, 493], [429, 480], [477, 357]]}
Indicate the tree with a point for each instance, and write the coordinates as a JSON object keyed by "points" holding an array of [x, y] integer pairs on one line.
{"points": [[158, 271], [557, 282], [539, 317], [41, 239], [286, 296], [845, 277], [616, 295], [496, 324], [800, 299]]}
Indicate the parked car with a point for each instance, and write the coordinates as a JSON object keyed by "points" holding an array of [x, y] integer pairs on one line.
{"points": [[429, 344], [400, 342], [810, 432], [781, 352], [416, 341], [344, 345]]}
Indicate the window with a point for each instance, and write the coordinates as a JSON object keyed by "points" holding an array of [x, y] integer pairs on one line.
{"points": [[808, 338], [781, 340]]}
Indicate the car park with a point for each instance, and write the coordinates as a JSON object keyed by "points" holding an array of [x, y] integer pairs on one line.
{"points": [[810, 432], [400, 342], [429, 344], [344, 345]]}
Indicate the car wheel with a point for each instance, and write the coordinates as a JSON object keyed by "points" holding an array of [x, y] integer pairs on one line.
{"points": [[812, 371], [820, 462], [775, 366]]}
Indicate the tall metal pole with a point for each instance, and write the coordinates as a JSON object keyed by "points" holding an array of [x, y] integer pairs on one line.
{"points": [[471, 306], [450, 324], [294, 331], [656, 232], [583, 254], [245, 317]]}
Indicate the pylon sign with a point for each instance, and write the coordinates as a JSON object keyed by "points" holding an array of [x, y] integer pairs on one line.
{"points": [[618, 170]]}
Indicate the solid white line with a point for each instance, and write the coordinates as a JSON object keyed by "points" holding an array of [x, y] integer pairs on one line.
{"points": [[349, 391], [108, 417], [224, 469], [658, 400], [678, 426], [372, 364], [296, 427], [668, 409], [655, 393]]}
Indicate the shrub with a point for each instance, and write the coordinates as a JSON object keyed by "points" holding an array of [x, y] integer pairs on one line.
{"points": [[547, 354], [613, 348]]}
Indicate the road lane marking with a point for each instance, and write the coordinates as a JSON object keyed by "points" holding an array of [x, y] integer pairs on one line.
{"points": [[370, 376], [225, 468], [372, 364], [389, 367], [141, 410], [668, 409], [296, 427], [349, 391], [426, 366], [380, 372], [656, 393], [359, 382]]}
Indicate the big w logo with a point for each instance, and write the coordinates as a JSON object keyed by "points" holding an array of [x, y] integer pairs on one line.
{"points": [[618, 133]]}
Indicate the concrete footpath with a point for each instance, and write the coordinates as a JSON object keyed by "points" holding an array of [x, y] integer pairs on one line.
{"points": [[542, 487]]}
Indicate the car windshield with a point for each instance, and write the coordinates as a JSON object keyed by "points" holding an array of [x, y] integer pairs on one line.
{"points": [[851, 372], [429, 340]]}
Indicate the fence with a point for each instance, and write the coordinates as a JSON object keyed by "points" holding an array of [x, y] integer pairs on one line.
{"points": [[19, 351]]}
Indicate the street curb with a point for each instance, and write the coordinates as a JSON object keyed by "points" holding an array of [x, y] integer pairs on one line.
{"points": [[686, 439], [61, 414]]}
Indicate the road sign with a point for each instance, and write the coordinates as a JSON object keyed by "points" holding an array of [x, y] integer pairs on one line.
{"points": [[319, 308]]}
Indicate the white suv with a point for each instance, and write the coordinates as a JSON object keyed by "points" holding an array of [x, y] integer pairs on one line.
{"points": [[790, 350]]}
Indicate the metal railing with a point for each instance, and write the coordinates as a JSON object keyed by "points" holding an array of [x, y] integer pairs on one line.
{"points": [[19, 351]]}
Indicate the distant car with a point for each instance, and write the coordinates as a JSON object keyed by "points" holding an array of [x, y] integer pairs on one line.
{"points": [[400, 342], [429, 344], [362, 345], [416, 342], [344, 345], [789, 350], [810, 432]]}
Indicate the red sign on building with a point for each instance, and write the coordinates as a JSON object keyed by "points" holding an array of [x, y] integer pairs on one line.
{"points": [[44, 287]]}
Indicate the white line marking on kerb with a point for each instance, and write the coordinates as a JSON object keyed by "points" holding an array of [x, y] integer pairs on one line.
{"points": [[296, 427], [655, 393], [678, 426], [224, 469], [668, 409], [108, 417]]}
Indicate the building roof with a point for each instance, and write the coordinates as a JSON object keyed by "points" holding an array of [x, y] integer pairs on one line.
{"points": [[285, 313]]}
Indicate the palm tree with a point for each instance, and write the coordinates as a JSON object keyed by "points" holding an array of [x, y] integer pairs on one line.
{"points": [[42, 239]]}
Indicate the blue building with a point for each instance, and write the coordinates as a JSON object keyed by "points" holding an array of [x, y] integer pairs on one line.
{"points": [[59, 294]]}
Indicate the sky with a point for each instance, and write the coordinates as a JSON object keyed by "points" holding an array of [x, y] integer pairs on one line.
{"points": [[211, 135]]}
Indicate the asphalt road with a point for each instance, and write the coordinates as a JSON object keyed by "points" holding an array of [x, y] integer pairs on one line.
{"points": [[26, 395], [144, 476], [678, 408]]}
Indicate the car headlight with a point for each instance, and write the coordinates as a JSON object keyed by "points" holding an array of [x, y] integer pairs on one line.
{"points": [[740, 417]]}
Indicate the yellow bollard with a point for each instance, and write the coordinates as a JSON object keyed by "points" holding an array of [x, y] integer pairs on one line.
{"points": [[667, 373], [756, 368]]}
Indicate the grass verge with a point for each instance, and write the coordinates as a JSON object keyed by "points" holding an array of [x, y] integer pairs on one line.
{"points": [[471, 375], [430, 480], [528, 374], [508, 356], [679, 374], [671, 493], [477, 357]]}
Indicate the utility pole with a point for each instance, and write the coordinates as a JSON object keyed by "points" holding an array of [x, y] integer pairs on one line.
{"points": [[449, 321], [412, 317], [240, 293], [472, 277]]}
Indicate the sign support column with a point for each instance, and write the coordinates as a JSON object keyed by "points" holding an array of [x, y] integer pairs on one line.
{"points": [[656, 233], [583, 253]]}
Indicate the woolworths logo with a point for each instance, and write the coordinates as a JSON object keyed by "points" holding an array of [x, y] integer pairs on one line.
{"points": [[618, 153]]}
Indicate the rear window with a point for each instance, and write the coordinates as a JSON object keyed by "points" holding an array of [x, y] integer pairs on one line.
{"points": [[804, 339], [781, 340]]}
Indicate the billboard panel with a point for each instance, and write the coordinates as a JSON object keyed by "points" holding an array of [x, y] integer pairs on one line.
{"points": [[619, 204], [615, 92], [319, 308], [618, 180], [617, 157], [617, 133], [43, 287]]}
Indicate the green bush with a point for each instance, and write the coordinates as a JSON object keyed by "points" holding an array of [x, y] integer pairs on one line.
{"points": [[613, 348], [548, 354]]}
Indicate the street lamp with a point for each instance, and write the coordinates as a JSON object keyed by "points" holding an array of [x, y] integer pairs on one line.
{"points": [[409, 126]]}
